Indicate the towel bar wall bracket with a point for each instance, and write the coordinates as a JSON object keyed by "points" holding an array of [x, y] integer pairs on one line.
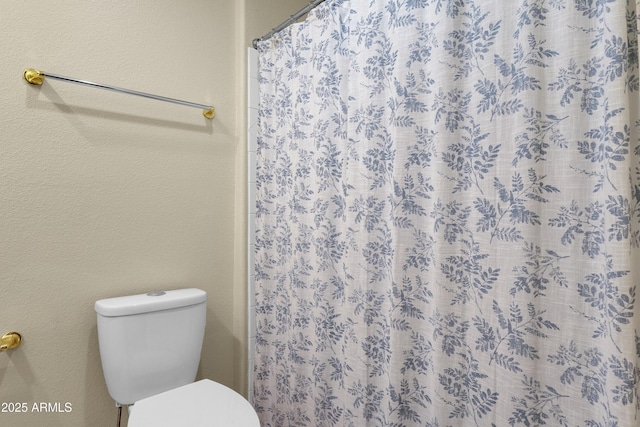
{"points": [[10, 340], [36, 77]]}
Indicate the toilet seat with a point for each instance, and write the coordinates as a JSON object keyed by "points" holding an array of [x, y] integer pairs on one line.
{"points": [[204, 403]]}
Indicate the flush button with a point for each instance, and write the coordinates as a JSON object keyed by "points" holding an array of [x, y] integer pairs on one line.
{"points": [[156, 293]]}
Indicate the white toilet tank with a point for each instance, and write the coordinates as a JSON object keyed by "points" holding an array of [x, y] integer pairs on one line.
{"points": [[150, 343]]}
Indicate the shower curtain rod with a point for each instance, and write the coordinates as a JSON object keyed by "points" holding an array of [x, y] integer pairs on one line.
{"points": [[36, 77], [293, 18]]}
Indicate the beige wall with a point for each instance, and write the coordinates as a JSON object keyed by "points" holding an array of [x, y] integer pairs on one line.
{"points": [[104, 194]]}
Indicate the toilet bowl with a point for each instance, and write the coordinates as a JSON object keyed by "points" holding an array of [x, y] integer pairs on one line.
{"points": [[201, 404]]}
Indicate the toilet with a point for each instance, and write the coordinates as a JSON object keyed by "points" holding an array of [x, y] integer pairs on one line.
{"points": [[150, 348]]}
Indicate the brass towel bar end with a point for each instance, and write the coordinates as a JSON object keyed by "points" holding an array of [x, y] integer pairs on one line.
{"points": [[10, 340]]}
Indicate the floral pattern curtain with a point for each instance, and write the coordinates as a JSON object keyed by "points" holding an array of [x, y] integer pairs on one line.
{"points": [[448, 215]]}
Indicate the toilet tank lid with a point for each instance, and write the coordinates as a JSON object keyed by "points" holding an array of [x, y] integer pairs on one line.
{"points": [[152, 301]]}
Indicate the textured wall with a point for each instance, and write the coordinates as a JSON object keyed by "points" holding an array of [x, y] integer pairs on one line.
{"points": [[103, 194]]}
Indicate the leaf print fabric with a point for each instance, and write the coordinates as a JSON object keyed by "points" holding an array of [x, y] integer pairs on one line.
{"points": [[448, 215]]}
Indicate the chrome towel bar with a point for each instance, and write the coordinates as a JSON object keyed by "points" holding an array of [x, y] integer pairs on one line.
{"points": [[36, 77]]}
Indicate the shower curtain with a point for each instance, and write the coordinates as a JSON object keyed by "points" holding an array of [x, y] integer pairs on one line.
{"points": [[448, 215]]}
